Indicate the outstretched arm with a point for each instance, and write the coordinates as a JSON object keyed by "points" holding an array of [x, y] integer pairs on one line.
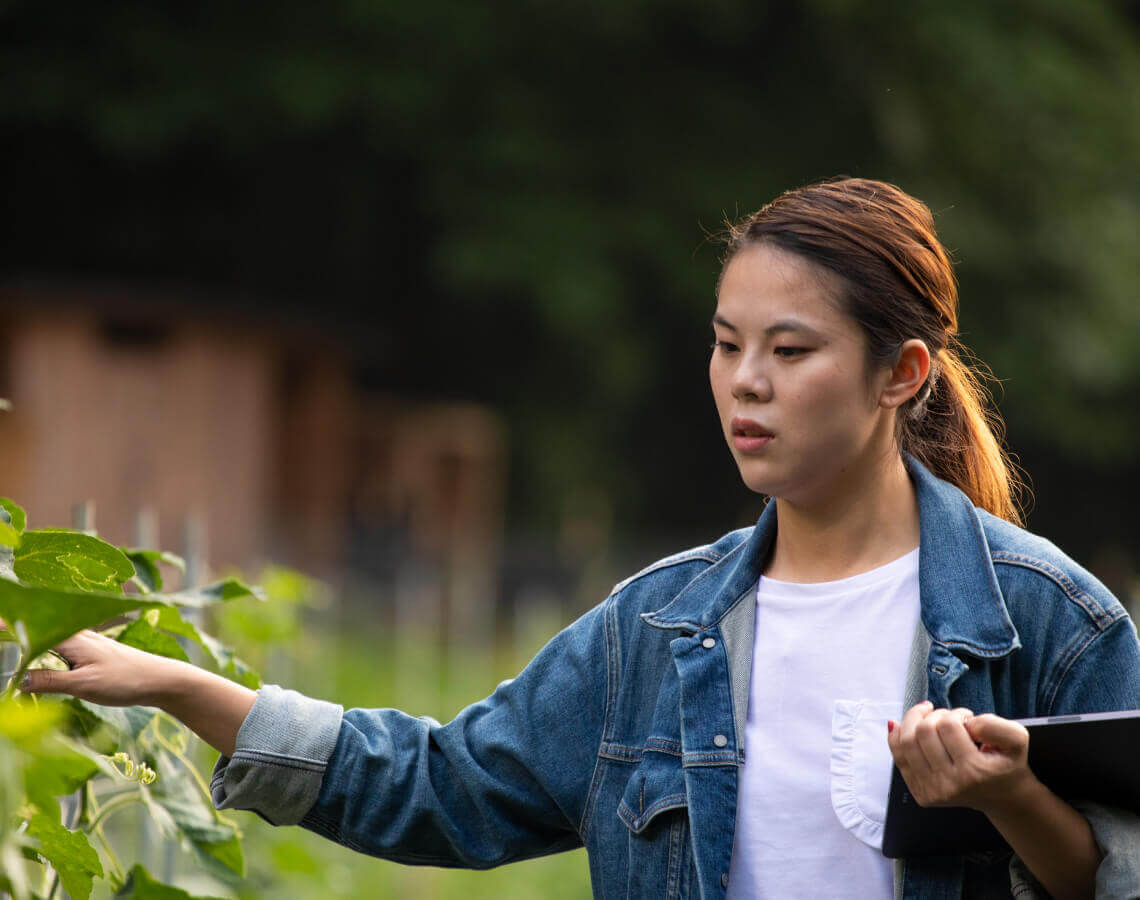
{"points": [[953, 758], [113, 674]]}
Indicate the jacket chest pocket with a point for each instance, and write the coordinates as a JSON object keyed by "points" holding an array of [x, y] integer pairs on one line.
{"points": [[654, 808]]}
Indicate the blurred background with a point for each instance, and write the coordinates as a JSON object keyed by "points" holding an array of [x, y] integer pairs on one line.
{"points": [[415, 297]]}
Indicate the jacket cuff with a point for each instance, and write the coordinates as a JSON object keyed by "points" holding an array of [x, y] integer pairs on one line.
{"points": [[280, 755], [1117, 833]]}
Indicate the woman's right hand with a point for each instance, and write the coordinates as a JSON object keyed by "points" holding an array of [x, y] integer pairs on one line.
{"points": [[102, 671], [112, 674]]}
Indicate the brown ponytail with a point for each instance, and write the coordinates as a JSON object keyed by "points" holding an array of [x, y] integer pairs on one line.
{"points": [[899, 284]]}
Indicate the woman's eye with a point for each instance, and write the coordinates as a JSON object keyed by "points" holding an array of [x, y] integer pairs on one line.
{"points": [[790, 352], [724, 347]]}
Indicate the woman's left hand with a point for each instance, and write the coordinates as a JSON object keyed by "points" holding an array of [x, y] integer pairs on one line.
{"points": [[954, 758]]}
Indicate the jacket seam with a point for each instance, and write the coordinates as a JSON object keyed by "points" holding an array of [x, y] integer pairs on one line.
{"points": [[651, 618], [699, 554], [609, 623], [267, 758], [1100, 616], [1066, 665], [673, 801], [620, 752]]}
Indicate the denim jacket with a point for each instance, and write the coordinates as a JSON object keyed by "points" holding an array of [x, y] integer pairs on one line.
{"points": [[625, 733]]}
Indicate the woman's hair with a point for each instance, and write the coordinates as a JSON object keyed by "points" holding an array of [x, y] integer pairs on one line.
{"points": [[898, 284]]}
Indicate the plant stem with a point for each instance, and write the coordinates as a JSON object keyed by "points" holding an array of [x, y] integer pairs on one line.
{"points": [[110, 807], [185, 760], [111, 857]]}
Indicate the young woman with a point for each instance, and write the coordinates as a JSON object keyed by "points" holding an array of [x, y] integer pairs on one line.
{"points": [[725, 722]]}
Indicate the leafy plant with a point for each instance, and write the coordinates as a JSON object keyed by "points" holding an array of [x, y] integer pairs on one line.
{"points": [[53, 583]]}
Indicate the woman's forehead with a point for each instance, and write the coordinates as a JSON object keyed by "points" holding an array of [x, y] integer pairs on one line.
{"points": [[765, 286]]}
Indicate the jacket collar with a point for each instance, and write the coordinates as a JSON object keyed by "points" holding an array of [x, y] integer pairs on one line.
{"points": [[962, 604]]}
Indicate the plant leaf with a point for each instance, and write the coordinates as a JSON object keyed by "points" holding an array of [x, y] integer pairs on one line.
{"points": [[217, 592], [57, 558], [222, 859], [222, 656], [140, 886], [127, 720], [143, 635], [147, 574], [214, 838], [70, 853], [9, 536], [55, 771], [16, 517], [49, 615]]}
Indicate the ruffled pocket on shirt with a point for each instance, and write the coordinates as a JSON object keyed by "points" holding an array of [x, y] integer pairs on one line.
{"points": [[861, 766]]}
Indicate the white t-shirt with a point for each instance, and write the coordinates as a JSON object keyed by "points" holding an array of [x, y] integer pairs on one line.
{"points": [[828, 669]]}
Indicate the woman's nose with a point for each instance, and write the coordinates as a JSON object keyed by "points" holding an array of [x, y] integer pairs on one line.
{"points": [[751, 382]]}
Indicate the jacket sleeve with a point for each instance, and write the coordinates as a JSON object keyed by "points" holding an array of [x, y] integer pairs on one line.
{"points": [[507, 779], [1104, 677]]}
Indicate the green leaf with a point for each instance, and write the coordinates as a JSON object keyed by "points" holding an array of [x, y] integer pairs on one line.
{"points": [[26, 723], [218, 592], [147, 574], [70, 559], [16, 516], [140, 886], [222, 859], [127, 720], [46, 616], [143, 635], [9, 536], [70, 853], [55, 771], [222, 656], [214, 838]]}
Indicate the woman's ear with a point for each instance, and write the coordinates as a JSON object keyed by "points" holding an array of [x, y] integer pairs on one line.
{"points": [[907, 375]]}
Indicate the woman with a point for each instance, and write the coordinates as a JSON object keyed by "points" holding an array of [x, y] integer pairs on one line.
{"points": [[725, 721]]}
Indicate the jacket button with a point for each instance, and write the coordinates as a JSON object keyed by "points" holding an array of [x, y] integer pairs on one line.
{"points": [[708, 643], [721, 741], [724, 879]]}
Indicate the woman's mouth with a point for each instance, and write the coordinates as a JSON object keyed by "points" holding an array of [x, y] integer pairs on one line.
{"points": [[749, 436]]}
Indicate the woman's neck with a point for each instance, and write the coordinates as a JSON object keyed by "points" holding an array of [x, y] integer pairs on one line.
{"points": [[866, 522]]}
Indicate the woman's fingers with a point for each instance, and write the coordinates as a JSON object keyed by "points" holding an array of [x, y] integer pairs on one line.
{"points": [[48, 681], [102, 671], [81, 648], [997, 734], [938, 755], [928, 739], [932, 749], [907, 752], [953, 737]]}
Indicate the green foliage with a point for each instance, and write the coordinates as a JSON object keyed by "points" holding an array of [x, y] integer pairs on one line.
{"points": [[56, 558], [140, 886], [69, 852], [104, 759], [148, 576]]}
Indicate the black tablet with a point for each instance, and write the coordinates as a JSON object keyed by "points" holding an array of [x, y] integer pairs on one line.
{"points": [[1093, 757]]}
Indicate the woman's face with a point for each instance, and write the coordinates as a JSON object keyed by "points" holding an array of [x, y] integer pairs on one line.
{"points": [[797, 400]]}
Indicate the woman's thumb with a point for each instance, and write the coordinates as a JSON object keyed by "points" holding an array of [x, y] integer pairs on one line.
{"points": [[46, 681], [1002, 734]]}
